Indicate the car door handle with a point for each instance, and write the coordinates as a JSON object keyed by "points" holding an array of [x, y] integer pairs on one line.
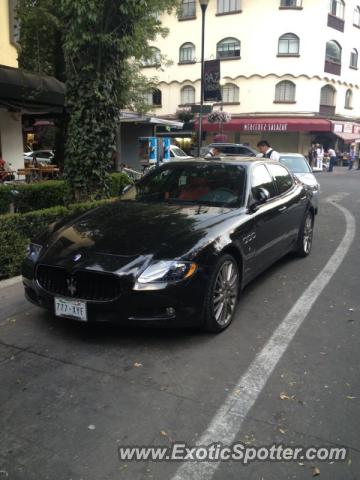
{"points": [[282, 209]]}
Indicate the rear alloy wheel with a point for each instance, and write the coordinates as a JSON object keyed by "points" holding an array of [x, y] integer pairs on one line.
{"points": [[222, 294], [306, 236]]}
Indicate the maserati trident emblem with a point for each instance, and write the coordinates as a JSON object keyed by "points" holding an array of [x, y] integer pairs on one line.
{"points": [[77, 257], [71, 285]]}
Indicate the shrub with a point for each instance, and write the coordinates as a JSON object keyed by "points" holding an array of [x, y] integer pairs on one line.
{"points": [[119, 181], [38, 196], [16, 231]]}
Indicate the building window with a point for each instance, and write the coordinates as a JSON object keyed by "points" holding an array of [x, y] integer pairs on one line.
{"points": [[337, 8], [230, 93], [333, 52], [285, 92], [153, 60], [154, 98], [187, 95], [290, 3], [354, 58], [187, 53], [289, 44], [328, 96], [327, 100], [348, 99], [228, 6], [357, 17], [228, 48], [333, 58], [187, 9]]}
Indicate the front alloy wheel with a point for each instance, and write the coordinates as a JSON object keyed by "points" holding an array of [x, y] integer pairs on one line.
{"points": [[223, 294], [306, 235]]}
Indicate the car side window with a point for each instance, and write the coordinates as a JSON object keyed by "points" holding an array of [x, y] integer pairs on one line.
{"points": [[244, 151], [227, 149], [261, 178], [282, 177]]}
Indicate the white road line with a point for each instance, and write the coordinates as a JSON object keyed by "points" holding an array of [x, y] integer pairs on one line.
{"points": [[10, 282], [228, 420]]}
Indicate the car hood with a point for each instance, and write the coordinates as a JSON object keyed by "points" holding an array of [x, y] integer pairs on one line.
{"points": [[307, 178], [130, 230]]}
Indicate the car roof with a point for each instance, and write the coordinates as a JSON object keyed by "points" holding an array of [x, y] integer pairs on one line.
{"points": [[224, 143], [228, 144], [287, 154], [237, 160], [39, 151]]}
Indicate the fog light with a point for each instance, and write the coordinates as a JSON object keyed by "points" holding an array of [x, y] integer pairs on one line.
{"points": [[170, 311]]}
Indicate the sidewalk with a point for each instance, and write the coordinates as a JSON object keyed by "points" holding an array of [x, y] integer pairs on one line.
{"points": [[339, 171]]}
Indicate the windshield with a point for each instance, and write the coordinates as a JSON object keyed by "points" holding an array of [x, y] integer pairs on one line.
{"points": [[200, 184], [296, 164]]}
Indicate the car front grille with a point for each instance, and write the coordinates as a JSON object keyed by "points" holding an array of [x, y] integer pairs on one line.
{"points": [[83, 285]]}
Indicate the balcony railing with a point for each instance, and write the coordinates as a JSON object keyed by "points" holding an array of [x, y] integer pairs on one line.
{"points": [[327, 110], [336, 22], [331, 67]]}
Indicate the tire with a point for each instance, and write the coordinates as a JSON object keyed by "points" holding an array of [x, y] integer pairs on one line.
{"points": [[222, 295], [306, 235]]}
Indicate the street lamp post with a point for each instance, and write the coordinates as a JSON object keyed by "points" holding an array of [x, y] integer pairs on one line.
{"points": [[203, 5]]}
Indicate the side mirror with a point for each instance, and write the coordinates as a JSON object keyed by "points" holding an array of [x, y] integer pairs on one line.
{"points": [[262, 195]]}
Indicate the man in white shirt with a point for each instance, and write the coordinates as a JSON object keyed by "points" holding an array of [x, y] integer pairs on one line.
{"points": [[266, 151], [332, 154], [214, 152]]}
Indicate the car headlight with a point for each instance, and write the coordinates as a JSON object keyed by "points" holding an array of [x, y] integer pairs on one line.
{"points": [[164, 272], [33, 251]]}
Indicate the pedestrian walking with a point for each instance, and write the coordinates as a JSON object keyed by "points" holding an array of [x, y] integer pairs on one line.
{"points": [[352, 156], [312, 155], [319, 156], [266, 151], [332, 158]]}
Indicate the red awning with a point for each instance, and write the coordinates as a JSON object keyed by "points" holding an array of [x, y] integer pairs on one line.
{"points": [[267, 124]]}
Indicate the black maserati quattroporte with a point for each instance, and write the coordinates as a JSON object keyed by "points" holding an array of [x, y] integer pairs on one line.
{"points": [[177, 248]]}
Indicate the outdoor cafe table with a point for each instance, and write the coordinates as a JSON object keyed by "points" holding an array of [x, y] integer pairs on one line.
{"points": [[37, 173], [30, 173]]}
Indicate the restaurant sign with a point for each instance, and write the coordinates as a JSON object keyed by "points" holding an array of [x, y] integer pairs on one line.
{"points": [[342, 127], [338, 128], [265, 127], [212, 90]]}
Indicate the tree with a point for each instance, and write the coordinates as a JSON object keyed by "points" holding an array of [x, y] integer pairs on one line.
{"points": [[103, 40], [40, 37]]}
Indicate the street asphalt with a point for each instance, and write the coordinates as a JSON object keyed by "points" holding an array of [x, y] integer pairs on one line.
{"points": [[71, 393]]}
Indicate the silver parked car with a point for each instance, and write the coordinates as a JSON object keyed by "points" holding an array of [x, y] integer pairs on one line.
{"points": [[44, 157], [300, 167], [177, 154]]}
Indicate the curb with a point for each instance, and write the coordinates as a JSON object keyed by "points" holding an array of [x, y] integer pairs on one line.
{"points": [[11, 281]]}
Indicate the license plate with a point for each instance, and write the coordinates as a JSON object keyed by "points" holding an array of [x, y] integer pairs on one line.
{"points": [[71, 309]]}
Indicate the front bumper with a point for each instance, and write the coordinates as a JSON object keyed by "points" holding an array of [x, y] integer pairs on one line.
{"points": [[177, 305]]}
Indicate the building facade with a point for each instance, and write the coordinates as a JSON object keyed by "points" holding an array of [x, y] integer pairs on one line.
{"points": [[289, 69], [11, 143]]}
